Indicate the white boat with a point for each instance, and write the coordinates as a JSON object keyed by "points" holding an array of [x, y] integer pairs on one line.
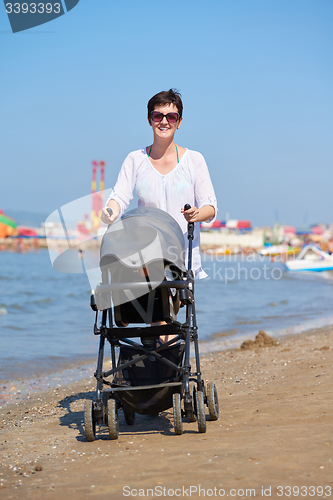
{"points": [[311, 258], [275, 250]]}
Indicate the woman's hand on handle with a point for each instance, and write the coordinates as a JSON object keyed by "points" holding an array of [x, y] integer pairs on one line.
{"points": [[195, 214], [191, 215], [110, 212]]}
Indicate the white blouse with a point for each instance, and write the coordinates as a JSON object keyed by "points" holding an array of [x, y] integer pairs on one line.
{"points": [[189, 182]]}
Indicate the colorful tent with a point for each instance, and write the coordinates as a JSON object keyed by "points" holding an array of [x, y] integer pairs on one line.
{"points": [[289, 229], [7, 226], [27, 232], [317, 230], [212, 225], [238, 224], [244, 224]]}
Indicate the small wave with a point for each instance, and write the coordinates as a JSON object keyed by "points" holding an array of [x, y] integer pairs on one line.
{"points": [[225, 333], [247, 322], [3, 311], [42, 301], [16, 306], [11, 327]]}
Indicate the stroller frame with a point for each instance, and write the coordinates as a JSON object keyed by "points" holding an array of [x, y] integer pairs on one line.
{"points": [[190, 387]]}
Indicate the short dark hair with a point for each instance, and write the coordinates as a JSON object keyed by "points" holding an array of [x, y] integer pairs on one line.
{"points": [[165, 97]]}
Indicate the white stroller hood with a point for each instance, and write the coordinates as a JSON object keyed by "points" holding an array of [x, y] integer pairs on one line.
{"points": [[141, 236], [145, 247]]}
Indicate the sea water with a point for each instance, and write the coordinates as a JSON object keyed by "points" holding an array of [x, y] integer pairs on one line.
{"points": [[46, 323]]}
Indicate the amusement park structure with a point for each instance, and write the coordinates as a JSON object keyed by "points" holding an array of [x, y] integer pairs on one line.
{"points": [[97, 197]]}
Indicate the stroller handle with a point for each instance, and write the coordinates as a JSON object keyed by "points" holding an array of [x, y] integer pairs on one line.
{"points": [[190, 225], [153, 284], [190, 231]]}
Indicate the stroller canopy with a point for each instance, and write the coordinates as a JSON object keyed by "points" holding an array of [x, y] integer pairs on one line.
{"points": [[142, 236]]}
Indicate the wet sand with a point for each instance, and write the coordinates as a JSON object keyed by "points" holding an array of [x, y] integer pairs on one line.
{"points": [[275, 430]]}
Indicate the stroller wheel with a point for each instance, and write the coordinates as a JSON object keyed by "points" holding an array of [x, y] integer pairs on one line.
{"points": [[212, 401], [113, 422], [201, 411], [129, 415], [89, 421], [177, 413], [193, 391]]}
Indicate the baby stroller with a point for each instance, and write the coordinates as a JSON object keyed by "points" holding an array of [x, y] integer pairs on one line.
{"points": [[145, 281]]}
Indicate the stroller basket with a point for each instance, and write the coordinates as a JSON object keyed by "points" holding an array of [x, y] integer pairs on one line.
{"points": [[152, 373]]}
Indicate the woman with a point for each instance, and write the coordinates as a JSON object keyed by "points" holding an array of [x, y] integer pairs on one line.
{"points": [[166, 175]]}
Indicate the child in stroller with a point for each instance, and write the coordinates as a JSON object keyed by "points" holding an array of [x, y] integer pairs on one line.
{"points": [[145, 281]]}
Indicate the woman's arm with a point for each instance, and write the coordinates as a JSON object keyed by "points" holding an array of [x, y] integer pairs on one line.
{"points": [[204, 194], [206, 212], [122, 193]]}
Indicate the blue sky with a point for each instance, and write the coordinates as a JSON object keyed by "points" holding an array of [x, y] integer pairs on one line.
{"points": [[256, 78]]}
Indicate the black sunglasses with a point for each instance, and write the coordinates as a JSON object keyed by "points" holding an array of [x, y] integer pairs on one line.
{"points": [[156, 116]]}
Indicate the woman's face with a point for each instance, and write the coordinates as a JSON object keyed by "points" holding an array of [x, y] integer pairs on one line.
{"points": [[164, 129]]}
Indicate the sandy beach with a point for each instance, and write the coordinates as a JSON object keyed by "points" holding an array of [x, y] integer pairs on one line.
{"points": [[274, 432]]}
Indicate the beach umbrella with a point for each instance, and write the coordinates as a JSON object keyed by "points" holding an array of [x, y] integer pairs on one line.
{"points": [[7, 226]]}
